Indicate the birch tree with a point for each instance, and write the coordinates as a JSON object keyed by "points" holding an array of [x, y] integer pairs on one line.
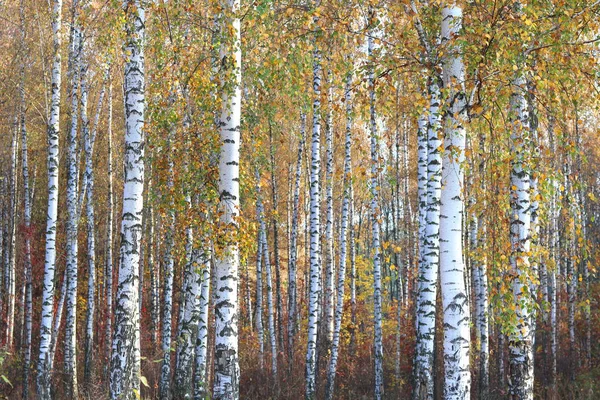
{"points": [[274, 222], [11, 250], [200, 376], [292, 268], [339, 307], [521, 382], [455, 304], [169, 266], [264, 245], [375, 211], [430, 256], [227, 371], [521, 336], [74, 73], [125, 359], [197, 261], [315, 227], [109, 230], [27, 208], [90, 138], [329, 295], [259, 299]]}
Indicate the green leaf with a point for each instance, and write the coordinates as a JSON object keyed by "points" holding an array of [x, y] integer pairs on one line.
{"points": [[144, 381], [5, 379]]}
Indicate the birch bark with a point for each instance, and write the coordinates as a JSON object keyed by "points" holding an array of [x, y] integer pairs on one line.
{"points": [[227, 370], [125, 359], [454, 294]]}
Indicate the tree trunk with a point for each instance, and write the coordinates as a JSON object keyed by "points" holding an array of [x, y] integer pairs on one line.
{"points": [[274, 221], [70, 356], [375, 216], [90, 138], [329, 259], [27, 211], [430, 256], [169, 271], [259, 299], [521, 339], [227, 371], [343, 245], [454, 295], [57, 320], [266, 260], [192, 287], [315, 228], [125, 361], [292, 269], [109, 233], [200, 375]]}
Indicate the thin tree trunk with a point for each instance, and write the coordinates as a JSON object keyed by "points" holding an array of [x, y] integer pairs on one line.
{"points": [[200, 374], [70, 356], [259, 299], [292, 269], [265, 257], [521, 339], [329, 298], [109, 233], [58, 319], [27, 212], [274, 221], [169, 271], [352, 244], [315, 228], [375, 216], [481, 299], [90, 138], [188, 334], [430, 256], [343, 245]]}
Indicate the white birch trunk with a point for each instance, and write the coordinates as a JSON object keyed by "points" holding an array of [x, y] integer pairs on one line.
{"points": [[70, 356], [482, 301], [521, 339], [109, 233], [455, 304], [259, 299], [125, 358], [27, 212], [375, 217], [188, 334], [329, 260], [352, 246], [343, 245], [11, 250], [90, 138], [315, 228], [292, 268], [275, 200], [267, 263], [200, 375], [169, 266], [227, 370], [430, 255], [57, 320]]}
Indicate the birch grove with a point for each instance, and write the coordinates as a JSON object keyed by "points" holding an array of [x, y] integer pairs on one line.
{"points": [[321, 200]]}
